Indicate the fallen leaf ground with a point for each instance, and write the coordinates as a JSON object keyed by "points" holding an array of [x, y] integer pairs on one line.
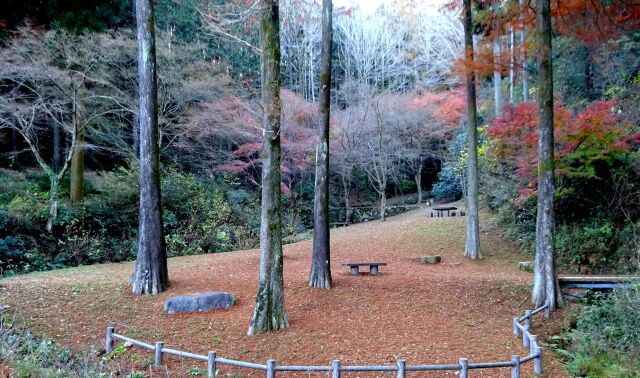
{"points": [[426, 314]]}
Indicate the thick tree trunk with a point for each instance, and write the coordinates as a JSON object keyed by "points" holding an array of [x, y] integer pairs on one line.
{"points": [[269, 313], [150, 275], [320, 275], [472, 246], [523, 57], [545, 288], [76, 189]]}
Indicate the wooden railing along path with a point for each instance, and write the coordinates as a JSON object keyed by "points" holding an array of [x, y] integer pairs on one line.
{"points": [[521, 327]]}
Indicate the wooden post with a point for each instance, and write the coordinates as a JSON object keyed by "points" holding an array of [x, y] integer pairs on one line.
{"points": [[533, 344], [515, 368], [108, 342], [537, 362], [271, 369], [516, 329], [158, 355], [525, 336], [527, 319], [464, 368], [211, 364], [335, 369], [401, 368]]}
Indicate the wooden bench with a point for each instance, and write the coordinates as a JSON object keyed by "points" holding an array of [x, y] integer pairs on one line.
{"points": [[338, 224], [597, 282], [373, 267]]}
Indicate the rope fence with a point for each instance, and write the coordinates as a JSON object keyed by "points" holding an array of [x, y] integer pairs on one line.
{"points": [[521, 328]]}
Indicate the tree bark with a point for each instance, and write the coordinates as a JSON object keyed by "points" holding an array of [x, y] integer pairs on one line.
{"points": [[418, 178], [76, 186], [150, 275], [57, 148], [545, 288], [472, 246], [512, 62], [320, 275], [497, 75], [269, 313], [523, 57]]}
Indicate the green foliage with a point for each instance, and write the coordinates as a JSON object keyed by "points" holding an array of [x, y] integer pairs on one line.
{"points": [[606, 339], [30, 356], [198, 216], [449, 185]]}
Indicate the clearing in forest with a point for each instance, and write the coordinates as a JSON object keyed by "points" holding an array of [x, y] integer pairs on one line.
{"points": [[427, 314]]}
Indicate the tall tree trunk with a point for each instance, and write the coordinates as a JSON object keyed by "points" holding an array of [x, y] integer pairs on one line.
{"points": [[512, 63], [320, 275], [545, 288], [150, 275], [269, 313], [523, 57], [472, 246], [76, 188], [383, 205], [497, 63]]}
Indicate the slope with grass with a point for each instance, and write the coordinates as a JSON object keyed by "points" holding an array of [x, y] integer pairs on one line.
{"points": [[424, 313]]}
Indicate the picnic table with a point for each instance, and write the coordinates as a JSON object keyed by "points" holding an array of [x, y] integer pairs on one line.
{"points": [[440, 210], [373, 267]]}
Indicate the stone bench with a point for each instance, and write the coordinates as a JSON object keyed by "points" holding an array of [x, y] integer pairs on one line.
{"points": [[373, 267]]}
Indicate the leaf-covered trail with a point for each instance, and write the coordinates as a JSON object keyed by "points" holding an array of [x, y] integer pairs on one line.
{"points": [[426, 314]]}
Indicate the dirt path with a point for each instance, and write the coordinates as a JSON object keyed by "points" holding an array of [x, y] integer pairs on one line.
{"points": [[427, 314]]}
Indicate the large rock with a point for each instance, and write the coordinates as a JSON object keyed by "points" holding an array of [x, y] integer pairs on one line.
{"points": [[429, 259], [527, 266], [199, 302]]}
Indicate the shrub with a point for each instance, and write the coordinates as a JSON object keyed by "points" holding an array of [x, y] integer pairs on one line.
{"points": [[606, 338]]}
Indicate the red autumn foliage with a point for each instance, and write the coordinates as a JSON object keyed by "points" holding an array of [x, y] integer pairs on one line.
{"points": [[582, 140], [447, 107]]}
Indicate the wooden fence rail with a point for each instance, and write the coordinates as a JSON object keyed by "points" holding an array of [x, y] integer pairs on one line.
{"points": [[521, 328]]}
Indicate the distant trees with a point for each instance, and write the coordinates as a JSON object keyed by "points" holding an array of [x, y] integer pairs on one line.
{"points": [[320, 275], [150, 275], [269, 312]]}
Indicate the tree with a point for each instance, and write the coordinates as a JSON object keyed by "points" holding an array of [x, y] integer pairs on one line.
{"points": [[320, 275], [546, 289], [150, 275], [472, 246], [497, 70], [269, 313]]}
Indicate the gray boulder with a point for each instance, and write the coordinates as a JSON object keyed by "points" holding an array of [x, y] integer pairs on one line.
{"points": [[429, 259], [527, 266], [199, 302]]}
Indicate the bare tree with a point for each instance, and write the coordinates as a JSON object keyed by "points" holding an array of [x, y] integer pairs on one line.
{"points": [[320, 275], [546, 289], [269, 313], [472, 246], [150, 275]]}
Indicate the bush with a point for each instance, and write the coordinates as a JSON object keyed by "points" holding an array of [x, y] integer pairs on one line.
{"points": [[449, 185], [606, 338]]}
